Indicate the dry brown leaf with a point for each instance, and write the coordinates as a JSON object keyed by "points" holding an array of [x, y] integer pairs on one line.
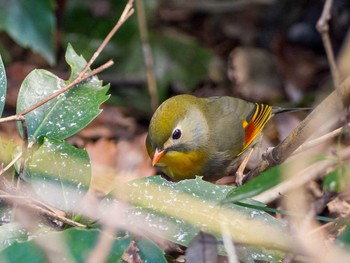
{"points": [[118, 162], [254, 74], [131, 254], [339, 207], [111, 124], [16, 72]]}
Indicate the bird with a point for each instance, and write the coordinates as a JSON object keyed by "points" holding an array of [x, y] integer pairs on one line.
{"points": [[190, 136]]}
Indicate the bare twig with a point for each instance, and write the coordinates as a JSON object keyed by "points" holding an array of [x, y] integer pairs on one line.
{"points": [[103, 246], [21, 116], [128, 11], [322, 139], [11, 163], [54, 248], [297, 202], [55, 216], [24, 147], [69, 86], [323, 27], [147, 53], [83, 75], [13, 194], [11, 118], [321, 119], [326, 114], [301, 178], [39, 207], [228, 244]]}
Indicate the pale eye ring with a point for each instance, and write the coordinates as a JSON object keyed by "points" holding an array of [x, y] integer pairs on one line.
{"points": [[176, 134]]}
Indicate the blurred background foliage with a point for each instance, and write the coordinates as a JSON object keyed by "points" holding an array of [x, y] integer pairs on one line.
{"points": [[267, 51], [191, 43], [264, 51], [179, 60]]}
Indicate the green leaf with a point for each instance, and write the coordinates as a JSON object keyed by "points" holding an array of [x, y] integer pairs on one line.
{"points": [[3, 84], [77, 242], [263, 207], [82, 241], [150, 252], [337, 180], [256, 186], [10, 233], [344, 238], [60, 173], [31, 24], [181, 60], [7, 150], [177, 229], [68, 113]]}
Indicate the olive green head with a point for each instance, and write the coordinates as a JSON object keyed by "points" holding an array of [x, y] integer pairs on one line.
{"points": [[178, 126]]}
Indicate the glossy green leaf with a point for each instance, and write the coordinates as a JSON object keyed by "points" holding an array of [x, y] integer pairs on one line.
{"points": [[338, 179], [68, 113], [3, 84], [10, 233], [179, 230], [256, 186], [59, 173], [31, 24], [344, 237], [150, 252], [7, 149], [263, 207], [333, 181], [77, 244]]}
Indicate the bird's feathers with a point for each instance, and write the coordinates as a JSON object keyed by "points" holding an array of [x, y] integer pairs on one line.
{"points": [[215, 132], [255, 122]]}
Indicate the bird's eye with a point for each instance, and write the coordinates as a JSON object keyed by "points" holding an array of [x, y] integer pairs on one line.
{"points": [[176, 134]]}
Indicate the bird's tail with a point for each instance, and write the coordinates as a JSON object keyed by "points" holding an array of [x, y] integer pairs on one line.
{"points": [[278, 110]]}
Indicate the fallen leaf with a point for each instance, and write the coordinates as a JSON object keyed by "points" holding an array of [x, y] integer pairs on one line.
{"points": [[113, 123], [339, 207], [118, 162], [131, 254]]}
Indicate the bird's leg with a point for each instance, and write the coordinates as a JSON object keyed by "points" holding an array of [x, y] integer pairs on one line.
{"points": [[240, 170]]}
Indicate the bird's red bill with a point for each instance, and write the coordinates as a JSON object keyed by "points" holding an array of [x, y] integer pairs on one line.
{"points": [[157, 155]]}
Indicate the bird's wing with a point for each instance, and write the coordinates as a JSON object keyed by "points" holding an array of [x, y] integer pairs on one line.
{"points": [[255, 122], [236, 123]]}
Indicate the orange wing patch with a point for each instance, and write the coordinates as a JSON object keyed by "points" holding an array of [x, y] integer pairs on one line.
{"points": [[255, 122]]}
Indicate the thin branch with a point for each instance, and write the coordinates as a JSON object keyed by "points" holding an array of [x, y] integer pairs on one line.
{"points": [[128, 11], [147, 54], [228, 244], [11, 118], [39, 207], [322, 139], [11, 163], [69, 86], [297, 201], [102, 248], [304, 176], [323, 118], [323, 27], [44, 209], [55, 216], [24, 147]]}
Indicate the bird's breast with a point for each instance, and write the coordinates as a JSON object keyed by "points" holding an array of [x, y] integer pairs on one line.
{"points": [[182, 165]]}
